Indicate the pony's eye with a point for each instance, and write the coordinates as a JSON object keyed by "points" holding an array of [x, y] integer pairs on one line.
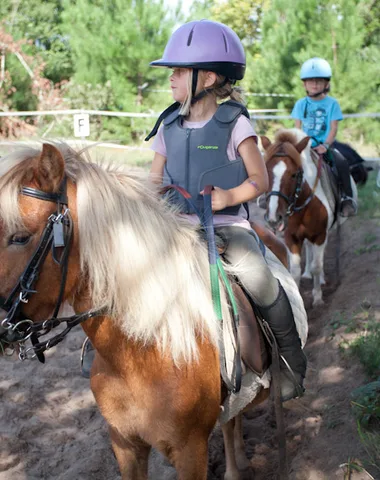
{"points": [[20, 239]]}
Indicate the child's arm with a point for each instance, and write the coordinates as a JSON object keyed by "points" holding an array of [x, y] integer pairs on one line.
{"points": [[157, 169], [256, 183], [333, 131], [298, 123], [330, 138]]}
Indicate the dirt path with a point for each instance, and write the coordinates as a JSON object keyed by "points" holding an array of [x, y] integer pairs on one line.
{"points": [[50, 427]]}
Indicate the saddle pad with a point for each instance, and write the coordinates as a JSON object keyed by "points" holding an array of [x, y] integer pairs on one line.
{"points": [[252, 383]]}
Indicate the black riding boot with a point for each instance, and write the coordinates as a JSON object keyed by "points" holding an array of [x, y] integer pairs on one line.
{"points": [[86, 358], [348, 206], [280, 318]]}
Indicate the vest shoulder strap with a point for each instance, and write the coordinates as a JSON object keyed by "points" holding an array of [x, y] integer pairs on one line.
{"points": [[229, 111], [171, 117]]}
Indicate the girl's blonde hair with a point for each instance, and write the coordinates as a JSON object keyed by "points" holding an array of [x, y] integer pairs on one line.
{"points": [[226, 91]]}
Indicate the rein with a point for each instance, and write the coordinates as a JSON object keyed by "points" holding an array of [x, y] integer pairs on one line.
{"points": [[57, 236], [216, 270], [292, 200]]}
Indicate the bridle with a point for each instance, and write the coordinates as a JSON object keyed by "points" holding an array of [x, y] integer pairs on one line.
{"points": [[57, 236], [292, 199]]}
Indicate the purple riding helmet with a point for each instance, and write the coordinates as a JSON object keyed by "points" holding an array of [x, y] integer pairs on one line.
{"points": [[205, 45]]}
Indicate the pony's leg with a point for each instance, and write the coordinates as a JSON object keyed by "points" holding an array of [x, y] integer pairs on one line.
{"points": [[295, 248], [132, 458], [308, 259], [317, 271], [240, 455], [191, 461], [232, 472]]}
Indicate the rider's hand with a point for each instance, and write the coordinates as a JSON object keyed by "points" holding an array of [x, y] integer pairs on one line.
{"points": [[321, 149], [220, 199]]}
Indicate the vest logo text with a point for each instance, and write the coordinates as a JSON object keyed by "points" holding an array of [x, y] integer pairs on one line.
{"points": [[208, 147]]}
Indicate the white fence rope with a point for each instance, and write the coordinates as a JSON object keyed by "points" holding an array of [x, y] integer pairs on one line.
{"points": [[155, 114]]}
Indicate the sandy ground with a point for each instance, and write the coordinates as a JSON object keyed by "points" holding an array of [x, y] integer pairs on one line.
{"points": [[51, 429]]}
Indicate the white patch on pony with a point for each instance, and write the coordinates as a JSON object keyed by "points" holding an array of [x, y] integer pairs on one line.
{"points": [[317, 271], [310, 174], [295, 266], [308, 259], [278, 173]]}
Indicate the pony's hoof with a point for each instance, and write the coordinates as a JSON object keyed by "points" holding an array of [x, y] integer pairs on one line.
{"points": [[232, 476], [242, 462], [307, 275], [318, 302]]}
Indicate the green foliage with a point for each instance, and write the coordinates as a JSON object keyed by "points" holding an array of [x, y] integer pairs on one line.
{"points": [[39, 21], [121, 38], [244, 17], [102, 48], [371, 443], [369, 198], [366, 348], [365, 402], [327, 28]]}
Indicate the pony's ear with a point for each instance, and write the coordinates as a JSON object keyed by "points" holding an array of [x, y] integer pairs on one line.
{"points": [[49, 168], [301, 145], [265, 142]]}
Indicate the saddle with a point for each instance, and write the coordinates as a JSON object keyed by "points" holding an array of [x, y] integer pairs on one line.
{"points": [[254, 347], [329, 182]]}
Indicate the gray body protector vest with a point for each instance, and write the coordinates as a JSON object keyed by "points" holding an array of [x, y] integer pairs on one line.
{"points": [[197, 157]]}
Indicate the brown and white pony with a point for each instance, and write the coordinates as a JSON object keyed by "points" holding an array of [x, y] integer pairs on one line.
{"points": [[297, 205], [137, 276]]}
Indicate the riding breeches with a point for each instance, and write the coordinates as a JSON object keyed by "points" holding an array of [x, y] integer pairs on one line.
{"points": [[243, 252]]}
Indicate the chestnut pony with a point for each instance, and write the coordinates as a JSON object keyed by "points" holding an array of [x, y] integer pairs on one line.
{"points": [[137, 277], [298, 205]]}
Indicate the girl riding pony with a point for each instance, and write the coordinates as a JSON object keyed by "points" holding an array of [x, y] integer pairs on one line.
{"points": [[204, 143]]}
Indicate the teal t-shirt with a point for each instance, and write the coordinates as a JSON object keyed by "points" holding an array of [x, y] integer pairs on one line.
{"points": [[316, 116]]}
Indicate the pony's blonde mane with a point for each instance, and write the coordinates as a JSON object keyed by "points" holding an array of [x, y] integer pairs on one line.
{"points": [[144, 264], [285, 141]]}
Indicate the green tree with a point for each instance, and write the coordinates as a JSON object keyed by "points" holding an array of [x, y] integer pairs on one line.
{"points": [[39, 22], [244, 17], [114, 42], [331, 29]]}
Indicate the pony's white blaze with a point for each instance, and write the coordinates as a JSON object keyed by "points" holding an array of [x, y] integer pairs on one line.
{"points": [[278, 173]]}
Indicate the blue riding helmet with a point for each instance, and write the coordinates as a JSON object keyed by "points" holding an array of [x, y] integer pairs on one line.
{"points": [[315, 68]]}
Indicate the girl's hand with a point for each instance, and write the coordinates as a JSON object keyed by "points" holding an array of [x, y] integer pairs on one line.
{"points": [[220, 199], [321, 149]]}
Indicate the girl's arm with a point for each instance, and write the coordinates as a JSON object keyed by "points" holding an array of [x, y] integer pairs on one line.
{"points": [[298, 123], [157, 169], [256, 183]]}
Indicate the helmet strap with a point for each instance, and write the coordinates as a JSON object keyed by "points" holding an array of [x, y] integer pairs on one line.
{"points": [[206, 91], [325, 90]]}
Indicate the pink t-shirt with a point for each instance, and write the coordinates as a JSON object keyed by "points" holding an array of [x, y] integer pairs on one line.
{"points": [[243, 129]]}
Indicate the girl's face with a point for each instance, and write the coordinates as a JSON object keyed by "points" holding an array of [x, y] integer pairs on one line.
{"points": [[315, 85], [179, 83]]}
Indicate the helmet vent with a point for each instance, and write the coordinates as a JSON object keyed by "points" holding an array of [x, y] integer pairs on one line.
{"points": [[225, 43], [190, 37]]}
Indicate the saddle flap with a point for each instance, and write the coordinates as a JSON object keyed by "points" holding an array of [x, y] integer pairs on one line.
{"points": [[253, 348]]}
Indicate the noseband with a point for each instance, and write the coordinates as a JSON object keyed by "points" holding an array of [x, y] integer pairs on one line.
{"points": [[57, 236], [291, 200]]}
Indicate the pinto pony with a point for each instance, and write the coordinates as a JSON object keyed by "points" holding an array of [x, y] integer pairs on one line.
{"points": [[137, 277], [297, 204]]}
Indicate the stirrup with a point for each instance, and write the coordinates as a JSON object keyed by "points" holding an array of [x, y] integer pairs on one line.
{"points": [[298, 390], [86, 358], [348, 207]]}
